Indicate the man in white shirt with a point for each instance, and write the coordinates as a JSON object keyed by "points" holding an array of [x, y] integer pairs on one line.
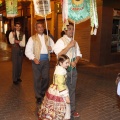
{"points": [[66, 45], [37, 49], [17, 39]]}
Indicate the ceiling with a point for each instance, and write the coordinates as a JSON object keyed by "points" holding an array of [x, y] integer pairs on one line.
{"points": [[99, 2], [2, 2]]}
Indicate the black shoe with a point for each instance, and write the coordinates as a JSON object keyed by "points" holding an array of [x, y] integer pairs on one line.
{"points": [[15, 82], [19, 80], [39, 101]]}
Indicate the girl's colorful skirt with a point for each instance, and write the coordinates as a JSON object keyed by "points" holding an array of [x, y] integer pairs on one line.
{"points": [[53, 106]]}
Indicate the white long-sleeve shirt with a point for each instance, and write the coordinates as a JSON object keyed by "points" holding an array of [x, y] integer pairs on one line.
{"points": [[59, 46], [12, 39], [29, 47]]}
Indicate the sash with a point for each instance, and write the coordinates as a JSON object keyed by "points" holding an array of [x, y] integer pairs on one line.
{"points": [[43, 57], [70, 67]]}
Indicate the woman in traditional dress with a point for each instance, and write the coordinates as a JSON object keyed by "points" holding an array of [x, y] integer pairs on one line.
{"points": [[56, 103]]}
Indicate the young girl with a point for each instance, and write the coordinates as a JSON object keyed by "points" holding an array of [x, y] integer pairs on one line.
{"points": [[47, 109]]}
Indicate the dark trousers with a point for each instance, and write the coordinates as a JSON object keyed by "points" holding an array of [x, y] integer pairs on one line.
{"points": [[17, 59], [41, 78], [72, 86]]}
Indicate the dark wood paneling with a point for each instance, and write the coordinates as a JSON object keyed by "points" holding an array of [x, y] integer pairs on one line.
{"points": [[106, 35], [95, 40], [59, 25], [82, 36]]}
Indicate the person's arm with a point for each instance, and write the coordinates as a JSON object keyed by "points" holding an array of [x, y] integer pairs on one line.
{"points": [[74, 63], [59, 45], [78, 56], [29, 49], [78, 52], [22, 43], [11, 38], [51, 45], [66, 49], [60, 48]]}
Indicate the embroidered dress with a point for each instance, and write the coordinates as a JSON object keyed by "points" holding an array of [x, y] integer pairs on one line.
{"points": [[54, 106]]}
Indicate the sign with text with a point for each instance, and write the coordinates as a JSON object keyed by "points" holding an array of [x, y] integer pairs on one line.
{"points": [[42, 7]]}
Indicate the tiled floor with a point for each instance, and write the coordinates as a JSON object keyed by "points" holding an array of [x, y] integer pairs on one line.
{"points": [[96, 97]]}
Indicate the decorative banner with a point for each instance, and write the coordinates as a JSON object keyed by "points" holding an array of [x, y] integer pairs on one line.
{"points": [[64, 4], [11, 8], [93, 17], [78, 11], [42, 7]]}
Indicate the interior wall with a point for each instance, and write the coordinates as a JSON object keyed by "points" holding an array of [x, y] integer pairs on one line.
{"points": [[82, 36]]}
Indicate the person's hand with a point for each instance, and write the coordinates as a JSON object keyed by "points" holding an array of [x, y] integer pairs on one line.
{"points": [[36, 61], [67, 100], [72, 43], [49, 48], [16, 41], [73, 64]]}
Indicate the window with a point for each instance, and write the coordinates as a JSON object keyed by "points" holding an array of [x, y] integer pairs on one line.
{"points": [[115, 45]]}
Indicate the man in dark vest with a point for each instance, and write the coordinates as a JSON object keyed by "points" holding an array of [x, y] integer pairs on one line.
{"points": [[17, 39]]}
